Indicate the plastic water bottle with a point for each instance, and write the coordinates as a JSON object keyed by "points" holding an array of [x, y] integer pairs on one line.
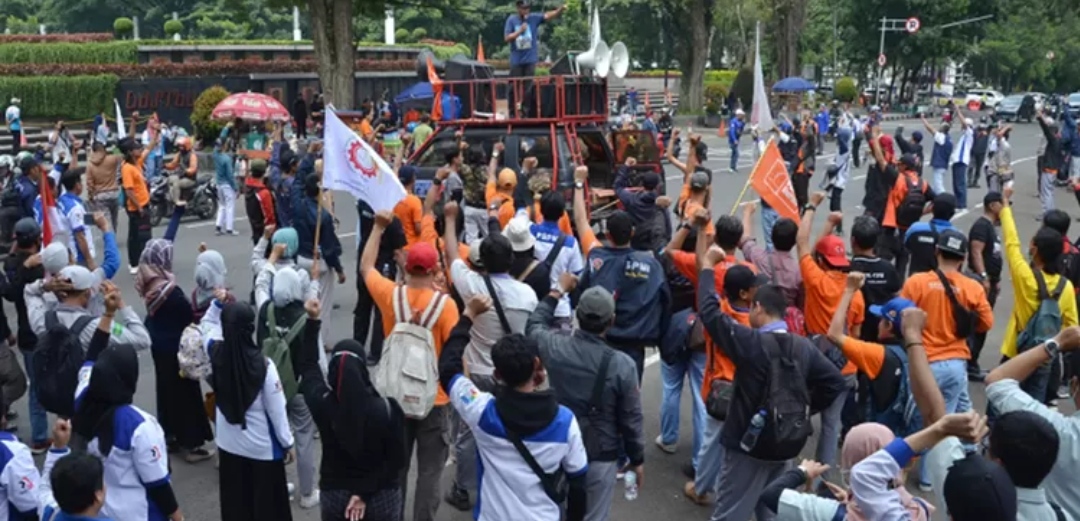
{"points": [[630, 480], [750, 439]]}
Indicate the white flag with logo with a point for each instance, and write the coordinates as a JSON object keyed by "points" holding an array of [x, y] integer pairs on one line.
{"points": [[351, 165], [760, 114], [120, 132]]}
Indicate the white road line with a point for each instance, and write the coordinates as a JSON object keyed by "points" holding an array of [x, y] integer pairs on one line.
{"points": [[212, 222], [652, 359]]}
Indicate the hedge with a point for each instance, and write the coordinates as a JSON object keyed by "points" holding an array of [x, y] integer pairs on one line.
{"points": [[172, 70], [65, 52], [48, 97]]}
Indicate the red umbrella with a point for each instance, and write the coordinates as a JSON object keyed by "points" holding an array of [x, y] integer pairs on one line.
{"points": [[250, 106]]}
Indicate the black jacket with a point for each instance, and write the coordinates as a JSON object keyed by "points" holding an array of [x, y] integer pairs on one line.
{"points": [[16, 277], [743, 345]]}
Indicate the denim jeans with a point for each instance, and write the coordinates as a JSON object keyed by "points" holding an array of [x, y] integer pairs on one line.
{"points": [[769, 216], [829, 440], [734, 156], [710, 458], [674, 376], [39, 421], [152, 167], [938, 183], [959, 183], [951, 378]]}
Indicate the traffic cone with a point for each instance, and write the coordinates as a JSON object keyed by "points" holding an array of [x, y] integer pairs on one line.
{"points": [[722, 131]]}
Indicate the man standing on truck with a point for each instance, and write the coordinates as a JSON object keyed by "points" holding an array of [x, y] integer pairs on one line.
{"points": [[521, 32]]}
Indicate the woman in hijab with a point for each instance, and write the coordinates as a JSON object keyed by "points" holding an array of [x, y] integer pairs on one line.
{"points": [[121, 434], [210, 275], [363, 434], [863, 440], [168, 312], [279, 293], [253, 432]]}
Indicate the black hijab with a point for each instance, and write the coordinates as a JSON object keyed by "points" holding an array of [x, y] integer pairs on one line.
{"points": [[112, 384], [363, 421], [238, 363]]}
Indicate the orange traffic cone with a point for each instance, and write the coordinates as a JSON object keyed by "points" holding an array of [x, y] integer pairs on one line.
{"points": [[722, 131]]}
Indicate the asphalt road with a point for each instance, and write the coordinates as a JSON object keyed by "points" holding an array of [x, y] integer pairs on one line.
{"points": [[661, 493]]}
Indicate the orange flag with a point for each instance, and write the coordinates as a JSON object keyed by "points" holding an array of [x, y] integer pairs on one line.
{"points": [[436, 90], [480, 49], [771, 181]]}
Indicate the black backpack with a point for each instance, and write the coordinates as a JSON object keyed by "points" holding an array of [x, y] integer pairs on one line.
{"points": [[57, 359], [911, 208], [1070, 265], [787, 402]]}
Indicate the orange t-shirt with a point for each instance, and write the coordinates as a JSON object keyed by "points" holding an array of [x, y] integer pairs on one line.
{"points": [[823, 292], [131, 177], [896, 197], [868, 357], [926, 291], [506, 203], [410, 211], [382, 293], [564, 221], [691, 209]]}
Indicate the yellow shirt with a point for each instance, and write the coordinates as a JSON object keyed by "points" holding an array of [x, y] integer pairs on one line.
{"points": [[1026, 288]]}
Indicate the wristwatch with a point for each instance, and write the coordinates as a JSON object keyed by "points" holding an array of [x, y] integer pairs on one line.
{"points": [[1052, 348], [436, 181], [687, 225], [809, 207], [579, 185], [495, 155]]}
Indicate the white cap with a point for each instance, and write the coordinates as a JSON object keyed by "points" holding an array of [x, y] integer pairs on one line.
{"points": [[15, 101], [521, 238], [81, 278], [968, 122], [739, 112]]}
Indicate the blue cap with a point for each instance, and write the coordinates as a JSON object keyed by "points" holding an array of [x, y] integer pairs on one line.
{"points": [[892, 310], [407, 174]]}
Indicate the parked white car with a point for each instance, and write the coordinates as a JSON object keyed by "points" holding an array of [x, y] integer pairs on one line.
{"points": [[988, 97]]}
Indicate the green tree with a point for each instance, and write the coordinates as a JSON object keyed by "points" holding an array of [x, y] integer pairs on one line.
{"points": [[173, 27], [123, 26]]}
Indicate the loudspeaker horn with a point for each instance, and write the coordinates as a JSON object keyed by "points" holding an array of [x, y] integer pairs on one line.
{"points": [[598, 58], [421, 64], [619, 59]]}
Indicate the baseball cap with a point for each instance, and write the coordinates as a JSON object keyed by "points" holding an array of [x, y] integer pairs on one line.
{"points": [[739, 112], [992, 197], [831, 248], [406, 174], [952, 241], [650, 180], [81, 279], [422, 258], [596, 305], [699, 180], [944, 204], [28, 162], [977, 489], [27, 231], [521, 238], [892, 310], [742, 278], [909, 160], [507, 178], [55, 257], [917, 136]]}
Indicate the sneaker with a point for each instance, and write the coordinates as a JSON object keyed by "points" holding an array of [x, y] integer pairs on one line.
{"points": [[199, 454], [232, 232], [292, 490], [310, 501], [666, 447], [926, 487], [458, 498], [1062, 393], [133, 270], [217, 230], [691, 493], [40, 447], [976, 375]]}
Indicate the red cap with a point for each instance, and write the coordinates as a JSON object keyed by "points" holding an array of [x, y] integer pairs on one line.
{"points": [[831, 248], [422, 258]]}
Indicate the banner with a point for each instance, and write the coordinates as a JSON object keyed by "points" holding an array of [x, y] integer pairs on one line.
{"points": [[760, 114], [771, 181], [351, 165], [121, 133], [436, 91]]}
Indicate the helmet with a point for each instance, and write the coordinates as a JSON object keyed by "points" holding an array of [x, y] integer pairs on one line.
{"points": [[7, 161], [183, 143]]}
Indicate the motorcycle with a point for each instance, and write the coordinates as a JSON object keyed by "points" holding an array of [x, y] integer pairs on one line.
{"points": [[202, 202]]}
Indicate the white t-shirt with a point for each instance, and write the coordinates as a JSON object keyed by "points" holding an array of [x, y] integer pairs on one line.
{"points": [[61, 146], [569, 259], [962, 150], [797, 506], [508, 487], [517, 299]]}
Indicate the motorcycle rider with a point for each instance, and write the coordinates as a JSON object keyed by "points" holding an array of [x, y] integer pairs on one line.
{"points": [[185, 166]]}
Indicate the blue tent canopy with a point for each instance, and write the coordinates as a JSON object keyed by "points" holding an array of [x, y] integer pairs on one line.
{"points": [[419, 92], [793, 84]]}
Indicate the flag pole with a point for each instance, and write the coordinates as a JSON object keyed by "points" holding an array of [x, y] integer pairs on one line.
{"points": [[749, 180]]}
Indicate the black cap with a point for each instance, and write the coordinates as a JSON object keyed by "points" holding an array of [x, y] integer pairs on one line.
{"points": [[742, 278], [944, 205], [910, 161], [650, 180], [979, 490], [952, 241], [523, 3], [992, 197], [128, 145], [27, 231], [27, 163]]}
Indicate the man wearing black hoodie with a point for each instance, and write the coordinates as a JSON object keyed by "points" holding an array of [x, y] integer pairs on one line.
{"points": [[512, 424]]}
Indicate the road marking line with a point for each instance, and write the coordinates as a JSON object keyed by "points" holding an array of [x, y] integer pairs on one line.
{"points": [[210, 223]]}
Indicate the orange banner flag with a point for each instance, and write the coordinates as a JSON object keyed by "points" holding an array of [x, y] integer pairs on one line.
{"points": [[771, 181], [47, 203], [436, 90], [480, 49]]}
